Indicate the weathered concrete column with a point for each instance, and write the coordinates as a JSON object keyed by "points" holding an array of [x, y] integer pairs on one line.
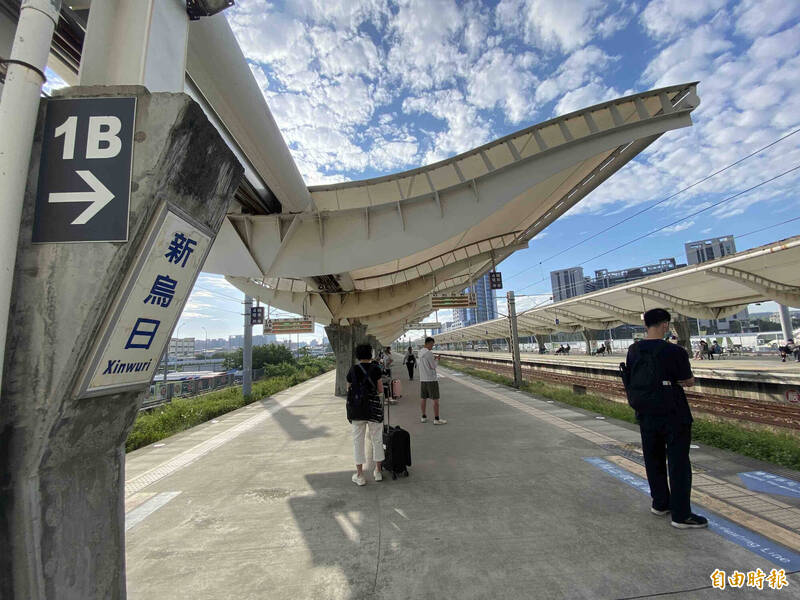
{"points": [[343, 340], [786, 321], [247, 349], [589, 336], [514, 340], [683, 331], [62, 449], [541, 344], [490, 345]]}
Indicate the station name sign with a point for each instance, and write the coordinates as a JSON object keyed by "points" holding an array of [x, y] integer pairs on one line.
{"points": [[154, 294], [278, 326]]}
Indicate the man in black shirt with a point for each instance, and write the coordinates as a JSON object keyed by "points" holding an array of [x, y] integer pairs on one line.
{"points": [[665, 420]]}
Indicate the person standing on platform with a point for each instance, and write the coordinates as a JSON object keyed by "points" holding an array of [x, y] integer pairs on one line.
{"points": [[410, 361], [429, 382], [655, 374], [365, 412]]}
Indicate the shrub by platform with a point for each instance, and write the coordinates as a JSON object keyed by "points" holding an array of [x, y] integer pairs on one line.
{"points": [[185, 413]]}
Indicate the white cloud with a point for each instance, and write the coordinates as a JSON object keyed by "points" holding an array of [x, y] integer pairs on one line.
{"points": [[677, 227], [502, 79], [579, 68], [592, 93], [669, 18], [755, 18], [553, 24]]}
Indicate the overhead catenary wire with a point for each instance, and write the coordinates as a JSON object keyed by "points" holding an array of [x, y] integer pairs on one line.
{"points": [[683, 218], [659, 202]]}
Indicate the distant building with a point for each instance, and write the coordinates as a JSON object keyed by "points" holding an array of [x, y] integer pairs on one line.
{"points": [[181, 347], [487, 304], [604, 278], [568, 283], [711, 249], [705, 250]]}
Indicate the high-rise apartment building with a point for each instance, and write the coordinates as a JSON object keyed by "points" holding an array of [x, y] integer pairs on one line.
{"points": [[703, 251], [487, 305], [568, 283]]}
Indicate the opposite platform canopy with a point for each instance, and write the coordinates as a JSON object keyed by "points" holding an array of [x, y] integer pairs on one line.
{"points": [[710, 290]]}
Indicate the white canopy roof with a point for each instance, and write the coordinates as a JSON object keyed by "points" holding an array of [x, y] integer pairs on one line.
{"points": [[710, 290]]}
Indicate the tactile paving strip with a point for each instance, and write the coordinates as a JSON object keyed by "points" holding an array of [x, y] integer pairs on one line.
{"points": [[192, 454]]}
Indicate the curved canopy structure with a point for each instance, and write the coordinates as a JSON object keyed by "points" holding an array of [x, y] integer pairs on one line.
{"points": [[710, 290], [375, 251]]}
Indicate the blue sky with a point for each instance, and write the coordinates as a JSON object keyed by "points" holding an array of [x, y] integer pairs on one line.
{"points": [[361, 88]]}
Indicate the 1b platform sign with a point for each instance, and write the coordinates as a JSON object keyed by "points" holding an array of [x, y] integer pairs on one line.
{"points": [[85, 172]]}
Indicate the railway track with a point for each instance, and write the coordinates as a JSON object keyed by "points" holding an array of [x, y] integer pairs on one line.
{"points": [[755, 411]]}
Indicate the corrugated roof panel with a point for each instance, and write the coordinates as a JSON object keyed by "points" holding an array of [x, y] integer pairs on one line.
{"points": [[500, 155], [444, 177], [384, 192], [325, 200], [473, 166]]}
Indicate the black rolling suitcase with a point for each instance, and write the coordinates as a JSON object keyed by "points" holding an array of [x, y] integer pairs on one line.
{"points": [[397, 448]]}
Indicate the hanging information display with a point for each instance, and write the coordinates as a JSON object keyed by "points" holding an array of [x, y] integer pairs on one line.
{"points": [[495, 280], [278, 326], [454, 301], [256, 315]]}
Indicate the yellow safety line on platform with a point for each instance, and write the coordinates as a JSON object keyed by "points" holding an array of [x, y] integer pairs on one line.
{"points": [[771, 530]]}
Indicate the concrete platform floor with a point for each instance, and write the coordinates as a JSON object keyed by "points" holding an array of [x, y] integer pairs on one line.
{"points": [[501, 503]]}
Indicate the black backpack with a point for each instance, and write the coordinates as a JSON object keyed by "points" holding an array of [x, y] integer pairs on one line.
{"points": [[361, 399], [649, 391]]}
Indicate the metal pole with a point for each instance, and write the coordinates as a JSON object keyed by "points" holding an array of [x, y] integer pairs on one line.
{"points": [[786, 322], [247, 350], [19, 109], [512, 318]]}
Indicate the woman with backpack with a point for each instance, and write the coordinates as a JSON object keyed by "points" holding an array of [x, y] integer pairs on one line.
{"points": [[410, 361], [365, 411]]}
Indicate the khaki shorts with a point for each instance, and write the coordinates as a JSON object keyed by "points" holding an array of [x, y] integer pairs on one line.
{"points": [[429, 389]]}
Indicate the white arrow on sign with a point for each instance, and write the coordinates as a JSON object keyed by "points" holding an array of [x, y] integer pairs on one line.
{"points": [[99, 197]]}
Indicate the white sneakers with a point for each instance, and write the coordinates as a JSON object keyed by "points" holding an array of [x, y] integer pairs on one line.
{"points": [[361, 480], [435, 421]]}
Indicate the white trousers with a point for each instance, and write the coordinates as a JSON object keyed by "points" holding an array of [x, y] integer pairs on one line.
{"points": [[374, 433]]}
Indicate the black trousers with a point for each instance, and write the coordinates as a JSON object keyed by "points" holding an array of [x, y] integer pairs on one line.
{"points": [[410, 368], [665, 442]]}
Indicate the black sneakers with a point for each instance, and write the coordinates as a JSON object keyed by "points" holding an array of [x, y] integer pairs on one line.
{"points": [[660, 513], [692, 522]]}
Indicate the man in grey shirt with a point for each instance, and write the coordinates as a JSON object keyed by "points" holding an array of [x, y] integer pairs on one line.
{"points": [[429, 382]]}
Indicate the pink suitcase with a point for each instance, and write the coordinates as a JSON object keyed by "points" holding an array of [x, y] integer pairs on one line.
{"points": [[397, 389]]}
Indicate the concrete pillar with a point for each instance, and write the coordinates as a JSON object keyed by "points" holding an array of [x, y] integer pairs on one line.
{"points": [[786, 322], [62, 473], [490, 345], [514, 340], [247, 349], [343, 340], [540, 342], [682, 329], [588, 336]]}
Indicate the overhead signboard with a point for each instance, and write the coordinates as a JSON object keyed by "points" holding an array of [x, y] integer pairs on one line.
{"points": [[256, 315], [141, 322], [84, 185], [278, 326], [495, 280], [423, 326], [454, 301]]}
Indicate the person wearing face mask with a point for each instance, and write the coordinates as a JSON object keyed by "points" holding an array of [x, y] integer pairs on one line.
{"points": [[655, 374]]}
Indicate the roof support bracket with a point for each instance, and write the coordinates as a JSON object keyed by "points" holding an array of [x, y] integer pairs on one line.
{"points": [[780, 292], [685, 307], [366, 220], [486, 161], [513, 149], [618, 313], [474, 185], [321, 230], [402, 217]]}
